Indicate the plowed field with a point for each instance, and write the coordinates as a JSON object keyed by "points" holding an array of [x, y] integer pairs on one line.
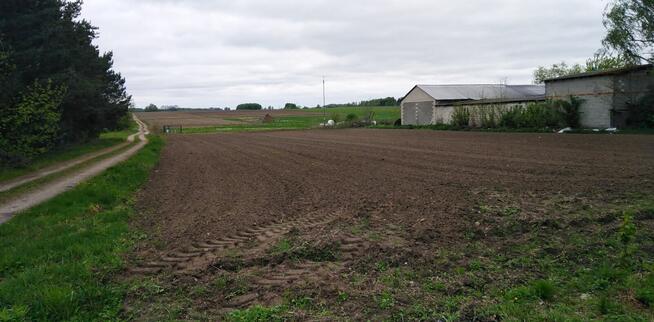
{"points": [[372, 223]]}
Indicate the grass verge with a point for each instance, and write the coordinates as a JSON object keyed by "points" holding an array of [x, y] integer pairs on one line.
{"points": [[13, 193], [58, 258], [106, 140]]}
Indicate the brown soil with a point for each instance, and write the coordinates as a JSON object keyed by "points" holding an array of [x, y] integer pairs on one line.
{"points": [[213, 118], [219, 205]]}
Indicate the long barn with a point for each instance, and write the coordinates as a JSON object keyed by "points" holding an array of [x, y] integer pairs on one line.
{"points": [[433, 104]]}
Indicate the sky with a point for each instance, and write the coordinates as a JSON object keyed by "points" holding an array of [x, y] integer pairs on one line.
{"points": [[220, 53]]}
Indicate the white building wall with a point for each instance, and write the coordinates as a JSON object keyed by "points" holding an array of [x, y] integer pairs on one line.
{"points": [[443, 114], [417, 108], [597, 93]]}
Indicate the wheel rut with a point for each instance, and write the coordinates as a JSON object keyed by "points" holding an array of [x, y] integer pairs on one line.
{"points": [[248, 249]]}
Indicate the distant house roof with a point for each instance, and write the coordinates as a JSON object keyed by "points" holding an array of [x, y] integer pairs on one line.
{"points": [[608, 72], [482, 92]]}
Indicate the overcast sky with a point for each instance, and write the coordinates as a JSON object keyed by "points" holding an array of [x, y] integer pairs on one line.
{"points": [[202, 53]]}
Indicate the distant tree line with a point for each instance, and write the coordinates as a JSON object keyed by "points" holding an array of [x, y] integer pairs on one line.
{"points": [[55, 86], [388, 101], [249, 106]]}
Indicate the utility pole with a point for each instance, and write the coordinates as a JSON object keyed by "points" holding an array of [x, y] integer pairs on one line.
{"points": [[324, 108]]}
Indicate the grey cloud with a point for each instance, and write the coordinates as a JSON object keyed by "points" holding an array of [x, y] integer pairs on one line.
{"points": [[201, 53]]}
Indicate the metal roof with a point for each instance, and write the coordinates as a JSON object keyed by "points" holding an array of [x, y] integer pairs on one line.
{"points": [[608, 72], [482, 91]]}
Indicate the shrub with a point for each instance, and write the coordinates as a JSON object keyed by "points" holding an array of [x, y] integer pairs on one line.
{"points": [[31, 127], [291, 106], [336, 117], [249, 106], [510, 118], [487, 117], [570, 111], [461, 116], [641, 112], [351, 117]]}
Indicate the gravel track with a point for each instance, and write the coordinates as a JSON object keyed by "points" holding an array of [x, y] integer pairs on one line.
{"points": [[60, 185]]}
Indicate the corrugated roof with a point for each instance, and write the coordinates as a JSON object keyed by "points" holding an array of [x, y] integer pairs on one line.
{"points": [[482, 91], [608, 72]]}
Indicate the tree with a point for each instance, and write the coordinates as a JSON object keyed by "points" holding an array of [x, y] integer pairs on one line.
{"points": [[556, 70], [630, 25], [31, 127], [151, 108], [249, 106], [602, 60], [291, 106], [45, 41]]}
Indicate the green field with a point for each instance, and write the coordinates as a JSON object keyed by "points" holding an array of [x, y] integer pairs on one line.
{"points": [[302, 122]]}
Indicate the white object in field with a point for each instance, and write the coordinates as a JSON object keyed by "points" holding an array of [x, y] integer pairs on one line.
{"points": [[374, 122], [596, 130], [567, 129], [331, 123], [612, 129]]}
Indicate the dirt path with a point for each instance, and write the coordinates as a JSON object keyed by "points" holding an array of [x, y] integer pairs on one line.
{"points": [[52, 189], [19, 181]]}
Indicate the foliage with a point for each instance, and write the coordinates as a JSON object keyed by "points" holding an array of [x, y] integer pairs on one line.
{"points": [[549, 114], [388, 101], [461, 116], [44, 41], [291, 106], [556, 70], [151, 108], [30, 127], [641, 112], [570, 111], [336, 117], [602, 60], [630, 25], [249, 106], [352, 117]]}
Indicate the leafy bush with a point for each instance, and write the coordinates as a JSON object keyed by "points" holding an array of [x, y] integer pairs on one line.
{"points": [[550, 114], [31, 127], [511, 118], [641, 112], [351, 117], [336, 117], [249, 106], [291, 106], [570, 111], [461, 116]]}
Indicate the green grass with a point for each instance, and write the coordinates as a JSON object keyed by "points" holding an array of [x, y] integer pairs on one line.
{"points": [[13, 193], [106, 140], [59, 259], [300, 122]]}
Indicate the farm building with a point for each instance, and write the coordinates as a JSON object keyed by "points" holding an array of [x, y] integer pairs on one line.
{"points": [[605, 93], [434, 104]]}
